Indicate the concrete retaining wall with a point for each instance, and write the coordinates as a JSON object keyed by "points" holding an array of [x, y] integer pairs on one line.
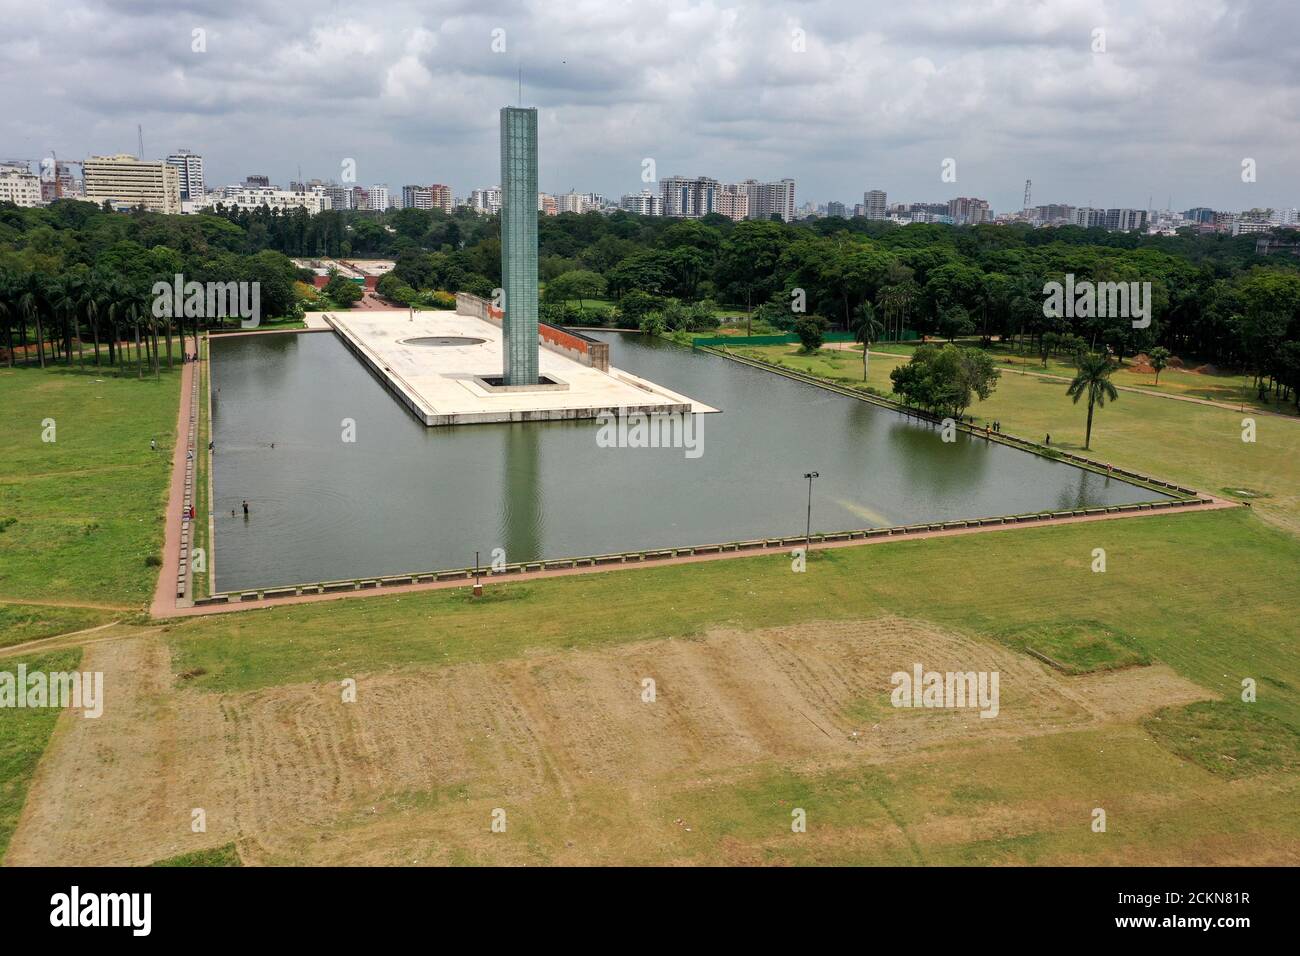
{"points": [[577, 347]]}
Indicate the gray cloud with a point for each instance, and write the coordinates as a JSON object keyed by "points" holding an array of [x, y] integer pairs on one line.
{"points": [[881, 95]]}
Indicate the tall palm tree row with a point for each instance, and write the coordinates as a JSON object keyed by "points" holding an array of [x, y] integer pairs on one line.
{"points": [[61, 311]]}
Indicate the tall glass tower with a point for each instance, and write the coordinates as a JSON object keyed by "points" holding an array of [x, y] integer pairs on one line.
{"points": [[519, 243]]}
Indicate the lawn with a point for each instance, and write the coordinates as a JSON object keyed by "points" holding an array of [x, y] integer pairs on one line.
{"points": [[83, 513], [1186, 785], [1197, 445], [24, 733], [1175, 586]]}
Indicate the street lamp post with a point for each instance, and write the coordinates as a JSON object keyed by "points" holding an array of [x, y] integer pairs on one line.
{"points": [[807, 531]]}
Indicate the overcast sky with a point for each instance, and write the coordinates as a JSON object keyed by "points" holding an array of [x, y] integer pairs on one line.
{"points": [[869, 95]]}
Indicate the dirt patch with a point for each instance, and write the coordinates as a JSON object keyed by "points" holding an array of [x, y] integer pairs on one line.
{"points": [[298, 775], [121, 788]]}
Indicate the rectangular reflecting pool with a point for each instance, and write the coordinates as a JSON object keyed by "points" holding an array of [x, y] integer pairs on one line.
{"points": [[403, 497]]}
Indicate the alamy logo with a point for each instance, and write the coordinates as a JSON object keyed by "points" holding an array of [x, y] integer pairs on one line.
{"points": [[74, 908], [950, 689], [208, 300], [84, 692], [641, 430], [1087, 299]]}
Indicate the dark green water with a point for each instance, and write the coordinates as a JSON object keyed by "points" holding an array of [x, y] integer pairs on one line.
{"points": [[404, 497]]}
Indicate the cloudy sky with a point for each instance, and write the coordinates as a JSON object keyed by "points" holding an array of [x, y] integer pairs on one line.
{"points": [[842, 95]]}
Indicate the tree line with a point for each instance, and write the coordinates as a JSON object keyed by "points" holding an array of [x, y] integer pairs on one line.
{"points": [[1212, 298]]}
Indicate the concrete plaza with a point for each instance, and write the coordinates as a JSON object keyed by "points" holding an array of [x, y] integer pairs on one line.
{"points": [[445, 384]]}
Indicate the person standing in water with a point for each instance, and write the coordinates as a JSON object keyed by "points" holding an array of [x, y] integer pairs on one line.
{"points": [[245, 508]]}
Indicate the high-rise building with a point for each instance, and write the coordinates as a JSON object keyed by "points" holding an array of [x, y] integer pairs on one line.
{"points": [[257, 181], [966, 211], [689, 198], [1125, 220], [644, 203], [190, 166], [340, 197], [127, 182], [19, 185], [873, 201], [770, 199], [417, 197], [441, 196], [486, 200], [377, 198], [1089, 218], [733, 202], [518, 198], [837, 209]]}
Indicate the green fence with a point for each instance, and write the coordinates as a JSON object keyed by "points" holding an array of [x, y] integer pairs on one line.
{"points": [[786, 338]]}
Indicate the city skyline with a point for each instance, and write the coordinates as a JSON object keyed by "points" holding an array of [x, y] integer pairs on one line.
{"points": [[763, 91]]}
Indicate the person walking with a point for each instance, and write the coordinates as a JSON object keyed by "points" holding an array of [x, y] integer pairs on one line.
{"points": [[153, 444], [245, 508]]}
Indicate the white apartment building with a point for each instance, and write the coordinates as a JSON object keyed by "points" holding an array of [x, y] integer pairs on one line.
{"points": [[644, 203], [254, 197], [19, 185], [190, 166], [486, 200], [377, 198], [127, 182]]}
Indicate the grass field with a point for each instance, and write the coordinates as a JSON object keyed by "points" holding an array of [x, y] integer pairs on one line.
{"points": [[1174, 585], [1232, 388], [773, 684], [1197, 445], [83, 512]]}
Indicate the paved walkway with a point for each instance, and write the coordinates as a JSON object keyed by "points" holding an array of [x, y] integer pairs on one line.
{"points": [[164, 595]]}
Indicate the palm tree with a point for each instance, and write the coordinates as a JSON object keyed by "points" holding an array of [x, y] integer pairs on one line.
{"points": [[30, 304], [866, 329], [1093, 379], [64, 296], [8, 311]]}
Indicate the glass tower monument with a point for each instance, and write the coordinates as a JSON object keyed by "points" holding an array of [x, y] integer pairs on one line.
{"points": [[519, 243]]}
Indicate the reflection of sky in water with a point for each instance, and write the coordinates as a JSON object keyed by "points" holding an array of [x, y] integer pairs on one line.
{"points": [[406, 498]]}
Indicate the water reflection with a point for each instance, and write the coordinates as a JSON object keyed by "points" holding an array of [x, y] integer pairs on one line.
{"points": [[403, 497]]}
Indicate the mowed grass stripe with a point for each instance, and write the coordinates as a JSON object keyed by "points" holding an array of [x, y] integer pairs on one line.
{"points": [[1197, 591]]}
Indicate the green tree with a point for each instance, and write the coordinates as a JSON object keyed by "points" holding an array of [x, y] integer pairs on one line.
{"points": [[342, 291], [811, 330], [1159, 359], [1093, 379], [577, 284]]}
